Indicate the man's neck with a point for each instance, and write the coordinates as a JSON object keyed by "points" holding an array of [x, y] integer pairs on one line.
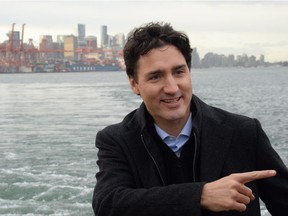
{"points": [[174, 128]]}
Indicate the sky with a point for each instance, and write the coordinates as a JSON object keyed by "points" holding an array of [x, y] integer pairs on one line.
{"points": [[222, 27]]}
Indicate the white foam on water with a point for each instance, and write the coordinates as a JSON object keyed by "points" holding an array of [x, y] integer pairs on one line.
{"points": [[6, 171], [83, 192], [4, 184], [31, 184], [10, 155], [58, 193]]}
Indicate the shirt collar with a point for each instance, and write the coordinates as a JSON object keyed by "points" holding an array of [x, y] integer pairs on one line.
{"points": [[186, 131]]}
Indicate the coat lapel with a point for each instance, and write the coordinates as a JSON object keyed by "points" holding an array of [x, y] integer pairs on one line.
{"points": [[155, 155], [148, 159]]}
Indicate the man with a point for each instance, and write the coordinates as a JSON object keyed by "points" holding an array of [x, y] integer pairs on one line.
{"points": [[176, 155]]}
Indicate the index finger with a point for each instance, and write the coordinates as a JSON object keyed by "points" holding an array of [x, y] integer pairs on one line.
{"points": [[254, 175]]}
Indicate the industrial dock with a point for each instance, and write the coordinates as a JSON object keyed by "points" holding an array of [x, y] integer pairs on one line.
{"points": [[69, 54]]}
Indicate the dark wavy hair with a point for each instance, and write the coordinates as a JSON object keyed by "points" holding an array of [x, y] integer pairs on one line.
{"points": [[153, 35]]}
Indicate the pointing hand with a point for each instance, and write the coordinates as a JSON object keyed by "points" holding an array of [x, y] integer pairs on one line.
{"points": [[230, 192]]}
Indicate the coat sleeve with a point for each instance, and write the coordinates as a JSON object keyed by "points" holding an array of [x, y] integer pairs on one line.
{"points": [[273, 191], [117, 194]]}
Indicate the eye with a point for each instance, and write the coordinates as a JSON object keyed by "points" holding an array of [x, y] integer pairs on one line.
{"points": [[179, 72], [154, 76]]}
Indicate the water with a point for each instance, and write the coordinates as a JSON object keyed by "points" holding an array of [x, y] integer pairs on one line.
{"points": [[48, 123]]}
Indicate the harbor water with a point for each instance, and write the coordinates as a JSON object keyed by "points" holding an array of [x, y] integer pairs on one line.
{"points": [[48, 123]]}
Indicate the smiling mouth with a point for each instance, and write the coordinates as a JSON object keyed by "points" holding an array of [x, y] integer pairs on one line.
{"points": [[172, 100]]}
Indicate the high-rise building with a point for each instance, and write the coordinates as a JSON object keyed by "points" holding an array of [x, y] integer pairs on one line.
{"points": [[46, 44], [262, 59], [81, 34], [59, 45], [231, 60], [60, 38], [104, 36], [15, 39], [195, 58], [119, 40], [70, 45], [91, 42]]}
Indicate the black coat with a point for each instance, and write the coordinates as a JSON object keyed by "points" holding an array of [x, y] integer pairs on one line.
{"points": [[131, 178]]}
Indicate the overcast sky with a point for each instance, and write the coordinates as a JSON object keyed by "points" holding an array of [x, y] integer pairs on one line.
{"points": [[223, 27]]}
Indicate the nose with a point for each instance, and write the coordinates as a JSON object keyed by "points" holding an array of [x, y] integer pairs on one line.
{"points": [[170, 85]]}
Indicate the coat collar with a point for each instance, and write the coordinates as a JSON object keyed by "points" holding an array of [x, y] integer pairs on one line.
{"points": [[213, 139]]}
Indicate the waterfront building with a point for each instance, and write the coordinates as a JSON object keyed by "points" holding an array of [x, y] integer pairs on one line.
{"points": [[60, 45], [91, 42], [81, 34], [70, 45], [231, 60], [252, 61], [104, 36], [110, 41], [14, 40], [60, 38], [195, 58], [262, 60], [45, 42], [119, 40], [46, 46], [12, 45]]}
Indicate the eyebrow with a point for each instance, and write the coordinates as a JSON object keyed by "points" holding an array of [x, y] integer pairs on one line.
{"points": [[152, 73], [176, 67], [179, 66], [159, 71]]}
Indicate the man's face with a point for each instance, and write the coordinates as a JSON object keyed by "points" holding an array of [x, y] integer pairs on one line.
{"points": [[164, 83]]}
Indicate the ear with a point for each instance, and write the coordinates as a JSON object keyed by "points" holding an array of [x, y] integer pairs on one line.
{"points": [[134, 86]]}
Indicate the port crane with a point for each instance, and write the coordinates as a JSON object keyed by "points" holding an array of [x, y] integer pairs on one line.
{"points": [[14, 53]]}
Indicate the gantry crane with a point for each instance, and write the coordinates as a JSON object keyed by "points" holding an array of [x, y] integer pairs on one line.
{"points": [[15, 54]]}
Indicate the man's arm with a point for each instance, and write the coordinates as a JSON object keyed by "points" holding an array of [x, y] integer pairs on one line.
{"points": [[273, 192]]}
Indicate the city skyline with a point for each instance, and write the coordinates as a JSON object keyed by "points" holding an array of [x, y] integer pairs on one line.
{"points": [[226, 27]]}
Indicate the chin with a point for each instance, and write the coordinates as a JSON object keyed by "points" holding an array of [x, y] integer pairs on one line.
{"points": [[174, 117]]}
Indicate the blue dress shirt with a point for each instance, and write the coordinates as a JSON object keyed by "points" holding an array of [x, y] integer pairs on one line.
{"points": [[175, 143]]}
